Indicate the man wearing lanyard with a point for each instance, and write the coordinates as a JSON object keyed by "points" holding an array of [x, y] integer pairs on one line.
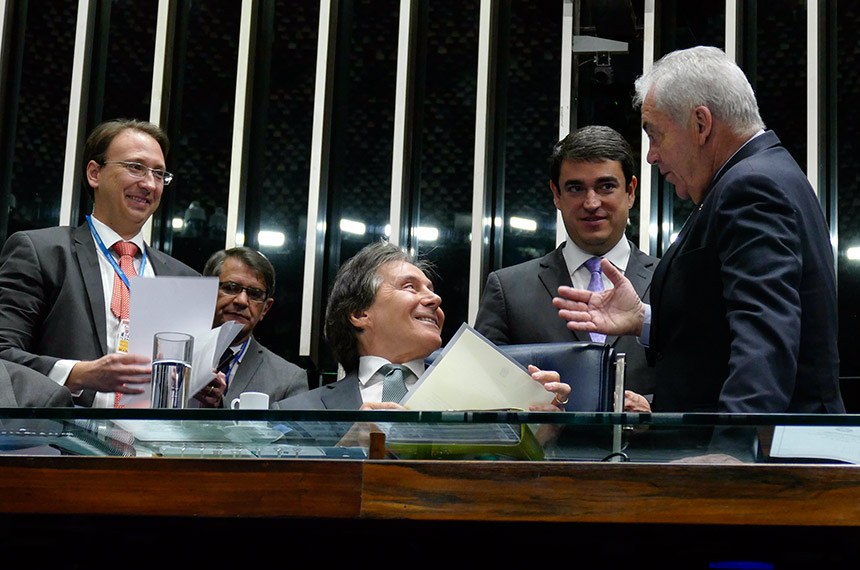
{"points": [[63, 291], [245, 294]]}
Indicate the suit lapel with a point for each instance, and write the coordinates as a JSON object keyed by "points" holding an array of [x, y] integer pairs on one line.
{"points": [[553, 274], [639, 270], [345, 394], [156, 261], [756, 145], [246, 371], [88, 261], [7, 393]]}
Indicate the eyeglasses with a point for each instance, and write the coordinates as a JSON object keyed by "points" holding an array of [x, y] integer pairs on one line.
{"points": [[232, 288], [138, 170]]}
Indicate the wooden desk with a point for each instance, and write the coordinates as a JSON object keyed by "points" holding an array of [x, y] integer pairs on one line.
{"points": [[762, 494], [488, 512]]}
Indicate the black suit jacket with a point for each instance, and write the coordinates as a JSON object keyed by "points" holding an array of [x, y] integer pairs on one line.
{"points": [[516, 308], [52, 303], [744, 302]]}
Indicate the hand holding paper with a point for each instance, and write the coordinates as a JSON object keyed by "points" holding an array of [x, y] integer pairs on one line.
{"points": [[177, 304], [472, 374]]}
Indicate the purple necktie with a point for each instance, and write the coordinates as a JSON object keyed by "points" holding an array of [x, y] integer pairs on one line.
{"points": [[596, 285]]}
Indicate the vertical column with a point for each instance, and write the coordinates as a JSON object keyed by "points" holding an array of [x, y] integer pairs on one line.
{"points": [[483, 149], [565, 123], [649, 226], [318, 181], [74, 133], [160, 75], [241, 122], [813, 92], [402, 122]]}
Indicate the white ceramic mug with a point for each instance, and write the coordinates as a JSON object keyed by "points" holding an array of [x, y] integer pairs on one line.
{"points": [[251, 401]]}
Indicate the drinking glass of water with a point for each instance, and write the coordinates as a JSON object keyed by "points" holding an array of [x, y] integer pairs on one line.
{"points": [[171, 369]]}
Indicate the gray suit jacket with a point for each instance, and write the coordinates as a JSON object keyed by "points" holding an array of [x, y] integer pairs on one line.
{"points": [[52, 303], [516, 308], [262, 370], [345, 394], [25, 388]]}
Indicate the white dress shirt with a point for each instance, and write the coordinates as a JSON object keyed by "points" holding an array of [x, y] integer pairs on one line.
{"points": [[371, 380], [575, 258]]}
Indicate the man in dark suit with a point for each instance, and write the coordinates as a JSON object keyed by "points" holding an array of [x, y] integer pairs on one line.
{"points": [[57, 310], [383, 310], [743, 305], [245, 294], [593, 186]]}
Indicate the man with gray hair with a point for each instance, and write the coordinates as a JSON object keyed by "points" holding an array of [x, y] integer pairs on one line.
{"points": [[245, 294], [743, 304]]}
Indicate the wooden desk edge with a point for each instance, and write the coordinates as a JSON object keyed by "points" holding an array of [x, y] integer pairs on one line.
{"points": [[821, 495]]}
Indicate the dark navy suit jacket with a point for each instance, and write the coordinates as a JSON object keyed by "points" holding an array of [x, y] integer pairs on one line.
{"points": [[744, 314]]}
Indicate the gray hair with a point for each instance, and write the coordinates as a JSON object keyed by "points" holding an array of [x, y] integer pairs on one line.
{"points": [[702, 75]]}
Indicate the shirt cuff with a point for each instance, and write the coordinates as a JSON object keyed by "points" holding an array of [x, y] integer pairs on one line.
{"points": [[60, 373], [646, 326]]}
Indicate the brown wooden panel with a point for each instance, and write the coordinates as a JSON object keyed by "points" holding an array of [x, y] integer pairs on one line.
{"points": [[181, 487], [617, 492]]}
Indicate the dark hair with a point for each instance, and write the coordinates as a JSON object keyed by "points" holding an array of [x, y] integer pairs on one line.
{"points": [[594, 143], [100, 138], [250, 257], [354, 290]]}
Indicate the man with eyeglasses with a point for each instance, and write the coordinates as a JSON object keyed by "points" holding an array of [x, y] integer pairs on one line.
{"points": [[245, 294], [63, 291]]}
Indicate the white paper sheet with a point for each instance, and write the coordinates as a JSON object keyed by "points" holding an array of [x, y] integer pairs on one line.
{"points": [[174, 304], [472, 374], [840, 443], [208, 347]]}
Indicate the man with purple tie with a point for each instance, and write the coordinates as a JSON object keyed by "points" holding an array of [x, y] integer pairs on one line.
{"points": [[593, 187]]}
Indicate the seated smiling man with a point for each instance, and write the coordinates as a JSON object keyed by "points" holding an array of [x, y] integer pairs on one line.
{"points": [[383, 311]]}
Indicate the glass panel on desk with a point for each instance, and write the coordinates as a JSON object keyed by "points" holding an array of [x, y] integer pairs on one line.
{"points": [[408, 435]]}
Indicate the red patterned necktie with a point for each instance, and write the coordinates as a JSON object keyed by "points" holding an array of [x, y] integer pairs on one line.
{"points": [[119, 303]]}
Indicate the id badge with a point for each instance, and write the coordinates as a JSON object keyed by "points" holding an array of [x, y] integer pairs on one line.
{"points": [[122, 344]]}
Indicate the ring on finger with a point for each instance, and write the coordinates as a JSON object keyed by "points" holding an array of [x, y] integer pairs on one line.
{"points": [[560, 402]]}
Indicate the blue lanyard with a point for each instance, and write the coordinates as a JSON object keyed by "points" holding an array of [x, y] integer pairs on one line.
{"points": [[236, 359], [110, 258]]}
